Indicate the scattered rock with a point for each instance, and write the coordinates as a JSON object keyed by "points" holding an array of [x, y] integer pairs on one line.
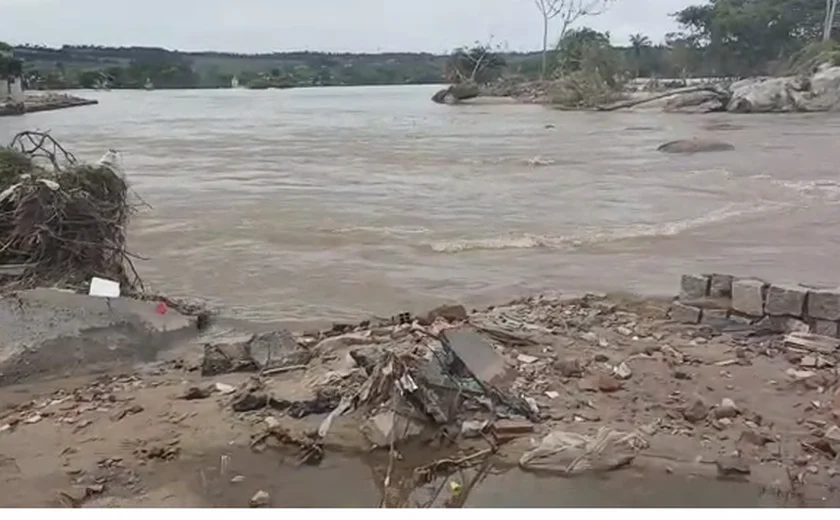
{"points": [[726, 409], [832, 436], [225, 389], [569, 367], [449, 313], [696, 411], [609, 384], [755, 437], [260, 499], [247, 401], [732, 466], [522, 358], [622, 371], [126, 411], [808, 362], [197, 392], [32, 419], [237, 479]]}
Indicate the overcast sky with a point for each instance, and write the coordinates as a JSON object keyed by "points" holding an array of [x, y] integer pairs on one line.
{"points": [[326, 25]]}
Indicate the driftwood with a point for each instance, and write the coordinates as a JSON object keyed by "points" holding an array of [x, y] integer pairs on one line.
{"points": [[634, 102]]}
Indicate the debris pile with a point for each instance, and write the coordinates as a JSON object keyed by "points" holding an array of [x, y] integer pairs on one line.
{"points": [[61, 221]]}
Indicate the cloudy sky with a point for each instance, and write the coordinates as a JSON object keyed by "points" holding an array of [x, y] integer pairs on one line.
{"points": [[331, 25]]}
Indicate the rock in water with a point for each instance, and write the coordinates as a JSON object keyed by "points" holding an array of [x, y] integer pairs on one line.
{"points": [[694, 146]]}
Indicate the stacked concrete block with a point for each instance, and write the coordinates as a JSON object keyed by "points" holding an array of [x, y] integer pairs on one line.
{"points": [[715, 298], [704, 298], [694, 286], [720, 285], [748, 297], [823, 308], [786, 300]]}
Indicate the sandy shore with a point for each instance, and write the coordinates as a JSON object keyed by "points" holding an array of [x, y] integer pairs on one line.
{"points": [[720, 416]]}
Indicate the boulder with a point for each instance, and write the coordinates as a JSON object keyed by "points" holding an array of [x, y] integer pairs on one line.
{"points": [[695, 145], [818, 93]]}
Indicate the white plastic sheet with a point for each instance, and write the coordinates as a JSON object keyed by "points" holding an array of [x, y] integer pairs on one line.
{"points": [[104, 288], [569, 453]]}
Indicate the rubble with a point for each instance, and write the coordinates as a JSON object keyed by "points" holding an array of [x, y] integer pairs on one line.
{"points": [[545, 381]]}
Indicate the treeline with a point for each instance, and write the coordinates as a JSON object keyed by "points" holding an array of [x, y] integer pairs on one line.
{"points": [[715, 38]]}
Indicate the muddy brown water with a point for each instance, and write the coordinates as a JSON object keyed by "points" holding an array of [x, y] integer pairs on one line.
{"points": [[347, 481], [340, 202]]}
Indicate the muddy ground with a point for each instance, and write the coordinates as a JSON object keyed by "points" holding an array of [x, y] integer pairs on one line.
{"points": [[729, 416]]}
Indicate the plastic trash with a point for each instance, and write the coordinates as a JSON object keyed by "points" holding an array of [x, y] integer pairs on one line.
{"points": [[104, 288], [568, 453], [113, 161]]}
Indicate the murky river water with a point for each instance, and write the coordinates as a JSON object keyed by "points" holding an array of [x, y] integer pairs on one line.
{"points": [[340, 202]]}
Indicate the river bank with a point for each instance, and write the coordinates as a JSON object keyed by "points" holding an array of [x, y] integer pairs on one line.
{"points": [[818, 91], [43, 102], [692, 398]]}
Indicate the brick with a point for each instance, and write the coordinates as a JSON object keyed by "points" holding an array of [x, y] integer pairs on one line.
{"points": [[509, 427], [682, 313], [720, 286], [824, 304], [694, 286], [748, 296], [826, 328], [785, 300]]}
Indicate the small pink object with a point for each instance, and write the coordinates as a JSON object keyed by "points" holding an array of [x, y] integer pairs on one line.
{"points": [[161, 308]]}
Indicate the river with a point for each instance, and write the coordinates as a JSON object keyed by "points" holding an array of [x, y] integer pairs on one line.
{"points": [[336, 203]]}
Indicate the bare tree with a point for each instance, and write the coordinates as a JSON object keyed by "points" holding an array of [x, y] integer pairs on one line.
{"points": [[830, 12], [569, 12]]}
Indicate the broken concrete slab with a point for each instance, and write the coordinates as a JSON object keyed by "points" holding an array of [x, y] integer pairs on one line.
{"points": [[682, 313], [51, 332], [477, 355], [226, 355], [277, 349], [812, 342]]}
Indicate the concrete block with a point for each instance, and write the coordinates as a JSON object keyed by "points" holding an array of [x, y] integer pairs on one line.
{"points": [[748, 296], [826, 328], [786, 300], [824, 304], [693, 286], [682, 313], [720, 285]]}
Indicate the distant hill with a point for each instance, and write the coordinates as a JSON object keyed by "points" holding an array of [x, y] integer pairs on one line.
{"points": [[127, 67]]}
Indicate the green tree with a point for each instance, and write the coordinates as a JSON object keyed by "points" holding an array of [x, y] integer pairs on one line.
{"points": [[640, 46], [478, 64]]}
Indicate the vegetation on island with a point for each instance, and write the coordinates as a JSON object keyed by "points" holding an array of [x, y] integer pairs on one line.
{"points": [[714, 38]]}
